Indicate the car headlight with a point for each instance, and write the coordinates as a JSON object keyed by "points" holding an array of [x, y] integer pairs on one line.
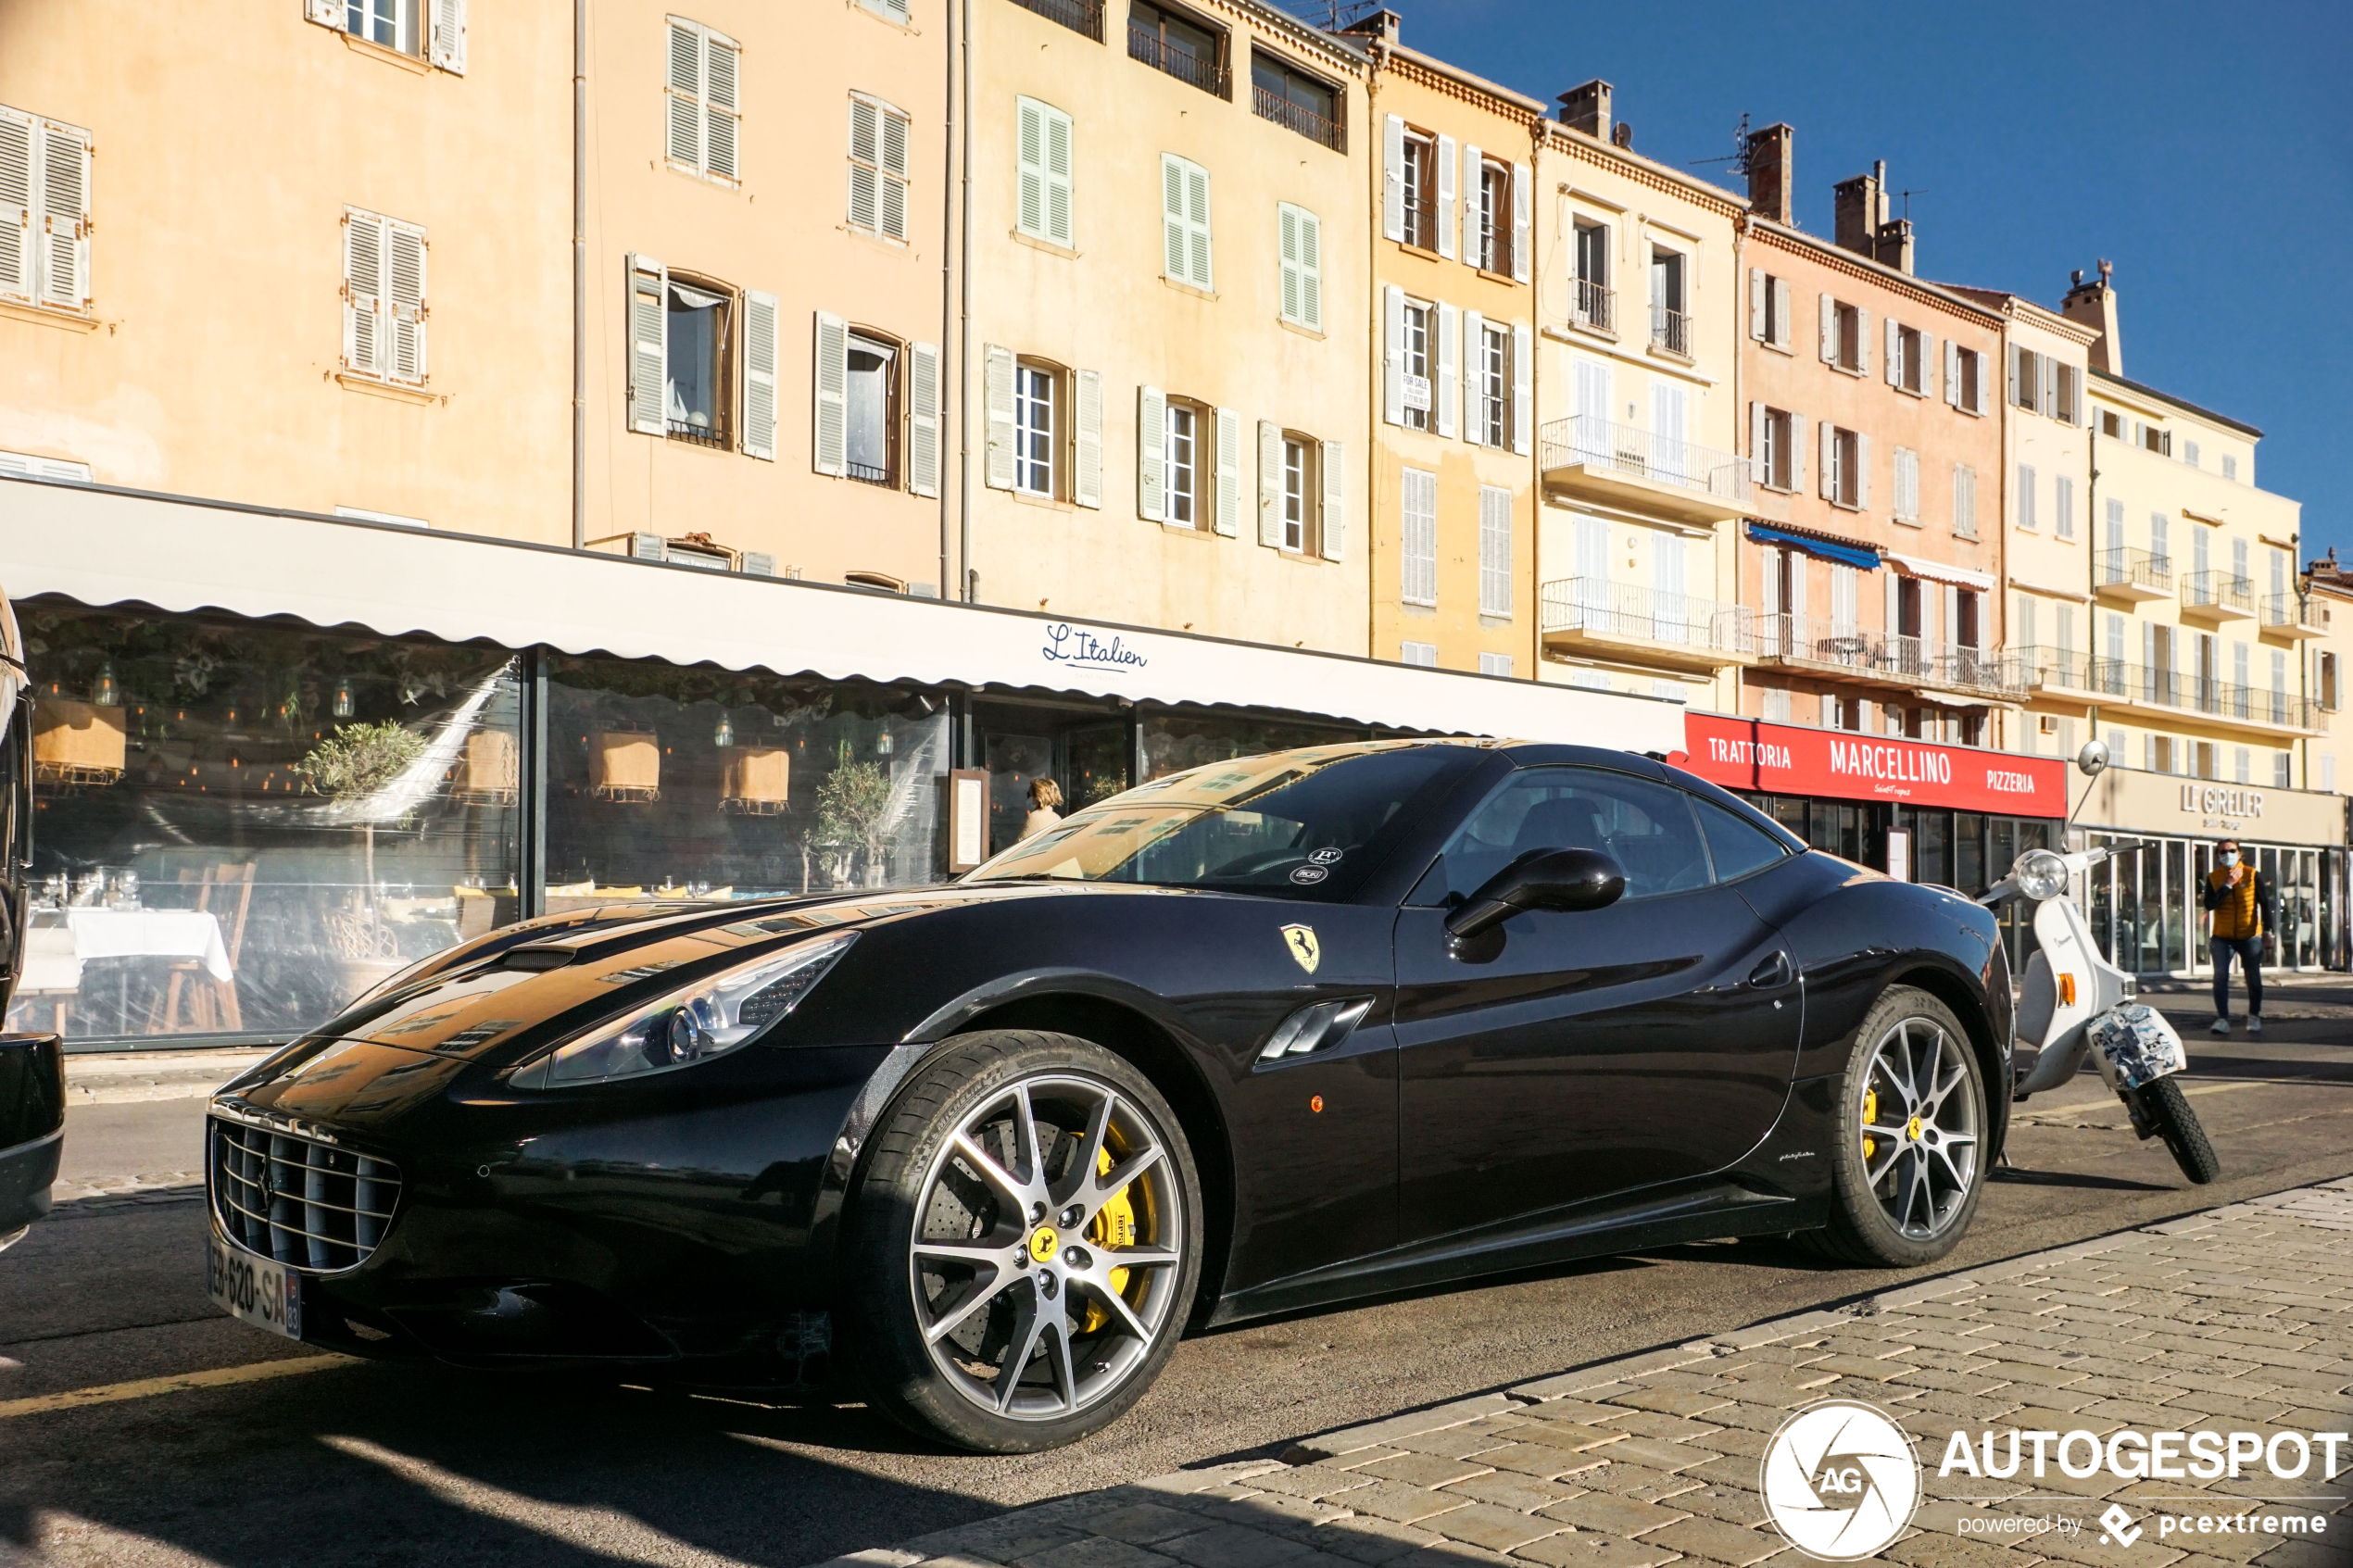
{"points": [[2041, 875], [693, 1024]]}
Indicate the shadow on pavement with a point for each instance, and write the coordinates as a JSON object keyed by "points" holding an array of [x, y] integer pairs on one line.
{"points": [[2020, 1175]]}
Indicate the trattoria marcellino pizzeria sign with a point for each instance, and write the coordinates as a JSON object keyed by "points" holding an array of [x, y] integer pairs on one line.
{"points": [[1788, 759]]}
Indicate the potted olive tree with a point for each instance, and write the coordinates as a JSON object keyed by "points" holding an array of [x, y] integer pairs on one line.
{"points": [[851, 804], [353, 767]]}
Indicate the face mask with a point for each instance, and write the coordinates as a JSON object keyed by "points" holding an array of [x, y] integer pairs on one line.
{"points": [[2230, 857]]}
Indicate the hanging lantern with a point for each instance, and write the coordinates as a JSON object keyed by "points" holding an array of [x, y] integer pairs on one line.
{"points": [[105, 694], [757, 781], [342, 700], [882, 743], [724, 735]]}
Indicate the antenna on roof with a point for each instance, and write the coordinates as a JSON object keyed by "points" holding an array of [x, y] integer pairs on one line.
{"points": [[1907, 195], [1738, 160]]}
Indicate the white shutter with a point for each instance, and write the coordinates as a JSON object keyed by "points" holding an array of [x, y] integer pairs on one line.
{"points": [[1392, 204], [61, 221], [832, 437], [1086, 466], [1783, 325], [648, 328], [1952, 373], [1270, 483], [326, 13], [998, 396], [1523, 228], [1770, 600], [721, 104], [1311, 269], [1029, 166], [1523, 389], [1863, 341], [2017, 357], [1448, 192], [1797, 453], [1756, 303], [759, 378], [1948, 625], [1474, 203], [1757, 471], [1450, 324], [1895, 353], [1830, 331], [1474, 378], [1228, 518], [685, 94], [1152, 454], [1830, 461], [1174, 247], [449, 36], [866, 164], [1393, 357], [1286, 253], [894, 175], [1331, 527], [1984, 376], [2046, 395], [363, 289], [1928, 362], [1894, 602], [1197, 227], [1863, 471], [923, 419], [405, 301], [18, 268], [1061, 222]]}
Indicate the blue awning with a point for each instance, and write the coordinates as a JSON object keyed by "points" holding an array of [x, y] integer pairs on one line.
{"points": [[1861, 556]]}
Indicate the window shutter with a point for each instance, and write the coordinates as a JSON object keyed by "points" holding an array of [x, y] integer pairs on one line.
{"points": [[1495, 550], [1152, 454], [363, 287], [1863, 341], [16, 265], [894, 180], [1447, 190], [1523, 389], [1895, 353], [1228, 518], [62, 225], [1029, 165], [2049, 393], [1756, 303], [1894, 604], [1797, 453], [1952, 373], [865, 163], [1756, 468], [449, 36], [1522, 227], [1863, 471], [648, 345], [998, 393], [759, 378], [831, 440], [1769, 562], [1451, 334], [1332, 525], [1474, 219], [326, 13], [1172, 218], [1197, 226], [923, 419], [721, 104], [1928, 363], [1473, 363], [1286, 251], [1311, 269], [1086, 466], [1949, 627], [1829, 463], [1061, 223], [1830, 331], [1392, 188], [1393, 365], [1781, 305], [1270, 483], [1983, 378], [405, 301], [2019, 356], [685, 94]]}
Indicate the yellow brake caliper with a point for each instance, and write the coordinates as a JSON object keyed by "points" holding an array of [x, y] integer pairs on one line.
{"points": [[1870, 1114], [1114, 1227]]}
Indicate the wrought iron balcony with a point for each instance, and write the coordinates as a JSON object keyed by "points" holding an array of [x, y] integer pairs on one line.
{"points": [[1670, 329], [1586, 446], [1592, 305], [1079, 16], [2217, 596], [1298, 116], [1145, 43], [2123, 684], [2295, 615], [1675, 627], [2131, 574], [1873, 658]]}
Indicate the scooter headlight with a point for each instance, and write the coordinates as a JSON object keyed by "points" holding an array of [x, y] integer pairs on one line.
{"points": [[2041, 875]]}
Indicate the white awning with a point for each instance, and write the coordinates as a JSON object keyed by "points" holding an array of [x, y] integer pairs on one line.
{"points": [[1941, 572], [101, 546]]}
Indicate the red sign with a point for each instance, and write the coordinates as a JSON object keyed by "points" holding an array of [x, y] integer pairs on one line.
{"points": [[1787, 760]]}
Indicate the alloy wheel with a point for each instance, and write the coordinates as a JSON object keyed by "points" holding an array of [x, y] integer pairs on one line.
{"points": [[1045, 1256], [1919, 1128]]}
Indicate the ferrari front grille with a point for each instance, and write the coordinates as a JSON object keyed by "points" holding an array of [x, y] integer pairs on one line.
{"points": [[306, 1203]]}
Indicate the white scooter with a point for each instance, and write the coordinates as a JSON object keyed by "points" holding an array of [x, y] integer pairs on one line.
{"points": [[2075, 1003]]}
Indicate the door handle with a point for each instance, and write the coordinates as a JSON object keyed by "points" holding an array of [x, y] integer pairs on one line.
{"points": [[1771, 975]]}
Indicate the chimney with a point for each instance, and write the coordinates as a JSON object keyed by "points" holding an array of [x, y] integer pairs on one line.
{"points": [[1772, 153], [1586, 108], [1384, 25], [1892, 244], [2095, 305], [1862, 208]]}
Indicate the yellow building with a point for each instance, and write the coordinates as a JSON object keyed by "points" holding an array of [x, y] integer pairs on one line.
{"points": [[1638, 302], [1453, 523], [1166, 385]]}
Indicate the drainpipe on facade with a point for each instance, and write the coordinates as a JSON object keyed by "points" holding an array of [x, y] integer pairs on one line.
{"points": [[948, 288], [579, 274], [1739, 424], [968, 585], [1376, 176], [2091, 564]]}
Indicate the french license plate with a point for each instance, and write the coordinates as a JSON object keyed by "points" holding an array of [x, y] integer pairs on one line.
{"points": [[256, 1290]]}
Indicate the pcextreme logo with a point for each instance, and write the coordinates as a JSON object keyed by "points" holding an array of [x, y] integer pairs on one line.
{"points": [[1841, 1480]]}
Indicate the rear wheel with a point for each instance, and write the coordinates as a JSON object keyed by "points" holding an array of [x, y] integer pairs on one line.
{"points": [[1022, 1245], [2161, 1107], [1908, 1166]]}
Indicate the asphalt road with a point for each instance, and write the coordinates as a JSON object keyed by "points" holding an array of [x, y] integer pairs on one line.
{"points": [[372, 1467]]}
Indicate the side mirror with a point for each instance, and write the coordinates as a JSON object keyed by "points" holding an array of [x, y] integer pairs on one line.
{"points": [[1569, 879]]}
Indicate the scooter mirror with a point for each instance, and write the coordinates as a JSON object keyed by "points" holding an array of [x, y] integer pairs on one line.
{"points": [[2092, 762]]}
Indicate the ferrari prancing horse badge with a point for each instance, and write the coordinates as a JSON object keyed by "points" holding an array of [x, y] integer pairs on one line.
{"points": [[1300, 940]]}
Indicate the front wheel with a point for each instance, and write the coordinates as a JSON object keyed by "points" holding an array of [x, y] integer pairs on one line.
{"points": [[2161, 1107]]}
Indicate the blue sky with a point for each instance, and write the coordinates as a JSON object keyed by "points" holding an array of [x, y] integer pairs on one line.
{"points": [[2205, 150]]}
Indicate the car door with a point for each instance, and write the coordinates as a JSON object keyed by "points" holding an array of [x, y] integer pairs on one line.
{"points": [[1594, 1052]]}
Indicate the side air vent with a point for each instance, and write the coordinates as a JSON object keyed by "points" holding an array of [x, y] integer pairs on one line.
{"points": [[1317, 1026]]}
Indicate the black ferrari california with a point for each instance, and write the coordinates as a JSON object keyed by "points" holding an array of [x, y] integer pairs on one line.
{"points": [[1257, 1036]]}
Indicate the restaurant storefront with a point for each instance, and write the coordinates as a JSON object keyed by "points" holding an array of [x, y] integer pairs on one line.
{"points": [[269, 776]]}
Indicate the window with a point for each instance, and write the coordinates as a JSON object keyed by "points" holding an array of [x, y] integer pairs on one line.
{"points": [[1495, 664], [2189, 453], [1042, 170], [898, 11], [1769, 317], [1648, 828], [859, 385], [1423, 655], [1180, 478], [383, 298], [1419, 509], [2157, 441], [1964, 501], [45, 211], [2324, 677], [1777, 705], [2026, 496], [2068, 381], [1844, 343], [1775, 439], [696, 328], [1737, 846], [1415, 352], [2242, 766], [2160, 541], [1495, 551], [1908, 354], [1037, 399], [24, 465], [1491, 218], [1171, 42], [1299, 491], [1670, 325], [2023, 376], [2229, 468], [1841, 466], [1593, 303], [1418, 190], [702, 93], [2063, 506], [1969, 381], [392, 23], [1184, 198], [2281, 775], [1045, 428], [1907, 485], [877, 168], [871, 393], [430, 30], [1300, 246], [1490, 382], [1290, 98]]}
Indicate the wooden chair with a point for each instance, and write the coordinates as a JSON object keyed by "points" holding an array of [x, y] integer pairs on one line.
{"points": [[212, 1004]]}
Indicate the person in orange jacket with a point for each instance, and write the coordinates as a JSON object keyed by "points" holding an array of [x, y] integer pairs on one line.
{"points": [[2245, 910]]}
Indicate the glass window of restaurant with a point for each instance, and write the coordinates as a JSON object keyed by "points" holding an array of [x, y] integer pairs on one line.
{"points": [[2147, 914]]}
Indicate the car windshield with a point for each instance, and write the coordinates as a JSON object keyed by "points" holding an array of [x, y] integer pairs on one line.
{"points": [[1311, 823]]}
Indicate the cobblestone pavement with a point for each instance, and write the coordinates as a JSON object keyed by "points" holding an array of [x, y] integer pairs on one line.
{"points": [[2236, 1320]]}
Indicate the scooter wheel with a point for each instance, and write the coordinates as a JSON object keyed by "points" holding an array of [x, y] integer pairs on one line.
{"points": [[2162, 1106]]}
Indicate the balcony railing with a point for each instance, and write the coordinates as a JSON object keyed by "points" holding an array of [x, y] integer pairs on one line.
{"points": [[1894, 660], [2142, 569], [2151, 686], [1299, 117], [1623, 609], [1670, 329], [1592, 305], [1145, 43], [2294, 611], [1595, 443], [2217, 590], [1079, 16]]}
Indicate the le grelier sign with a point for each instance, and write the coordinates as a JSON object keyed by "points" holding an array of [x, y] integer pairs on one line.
{"points": [[1787, 760]]}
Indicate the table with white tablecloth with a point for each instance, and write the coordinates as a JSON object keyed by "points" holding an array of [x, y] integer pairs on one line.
{"points": [[62, 942]]}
